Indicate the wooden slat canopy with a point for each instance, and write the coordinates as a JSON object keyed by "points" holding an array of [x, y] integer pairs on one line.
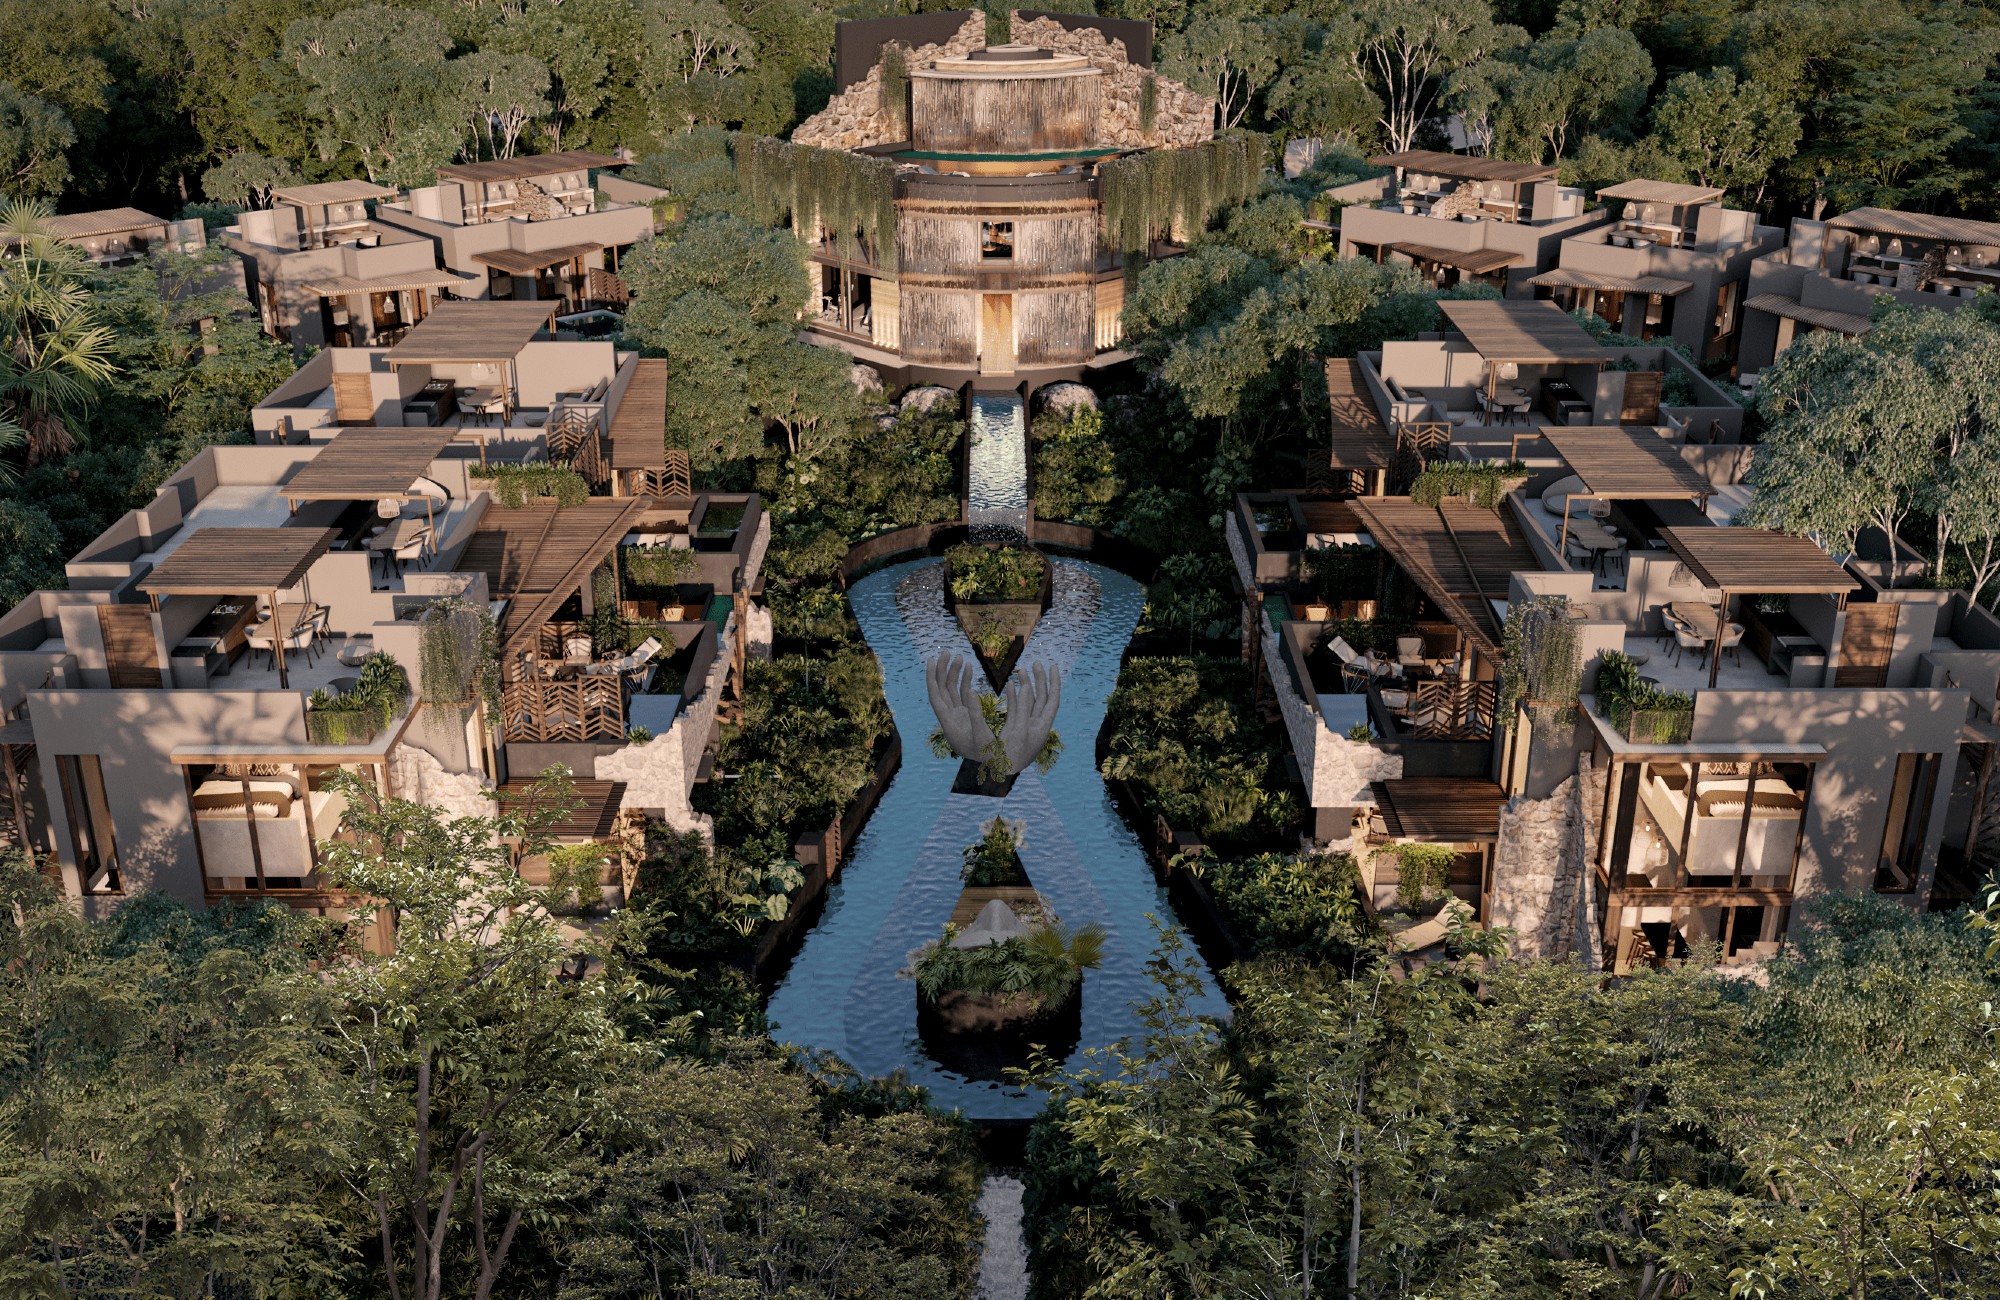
{"points": [[1645, 191], [1360, 438], [237, 561], [473, 331], [1530, 333], [591, 815], [336, 286], [368, 465], [539, 164], [1776, 304], [1461, 556], [1464, 167], [1620, 464], [1918, 225], [515, 261], [535, 556], [308, 196], [1758, 561], [107, 221], [639, 428], [1441, 809], [1567, 278], [1473, 261]]}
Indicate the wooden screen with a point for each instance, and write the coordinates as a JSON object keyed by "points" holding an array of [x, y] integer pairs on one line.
{"points": [[1642, 398], [1866, 645], [131, 651]]}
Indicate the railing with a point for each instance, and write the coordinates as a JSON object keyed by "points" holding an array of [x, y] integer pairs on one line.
{"points": [[1418, 444], [585, 709], [1453, 710], [674, 479]]}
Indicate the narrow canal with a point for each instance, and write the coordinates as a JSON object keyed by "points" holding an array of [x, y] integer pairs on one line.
{"points": [[843, 994]]}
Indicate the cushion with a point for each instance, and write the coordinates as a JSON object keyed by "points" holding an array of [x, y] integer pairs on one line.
{"points": [[1558, 493]]}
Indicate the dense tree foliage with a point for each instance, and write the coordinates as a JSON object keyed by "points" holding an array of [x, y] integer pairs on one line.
{"points": [[1537, 1130]]}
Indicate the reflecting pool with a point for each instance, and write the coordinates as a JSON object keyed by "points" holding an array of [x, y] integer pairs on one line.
{"points": [[898, 886]]}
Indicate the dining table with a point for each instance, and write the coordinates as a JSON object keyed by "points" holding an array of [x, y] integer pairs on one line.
{"points": [[1595, 538]]}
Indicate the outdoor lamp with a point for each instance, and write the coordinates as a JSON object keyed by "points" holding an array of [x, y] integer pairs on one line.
{"points": [[1508, 370]]}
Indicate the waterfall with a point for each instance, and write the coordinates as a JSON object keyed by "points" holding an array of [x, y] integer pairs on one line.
{"points": [[997, 472]]}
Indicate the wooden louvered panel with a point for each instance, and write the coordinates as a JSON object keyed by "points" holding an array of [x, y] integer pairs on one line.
{"points": [[1642, 398], [354, 398], [131, 652], [1866, 645]]}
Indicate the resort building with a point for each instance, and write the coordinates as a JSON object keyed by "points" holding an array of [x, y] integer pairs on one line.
{"points": [[172, 719], [993, 261], [1830, 273], [544, 228], [1758, 722], [1673, 264], [322, 272], [122, 236], [1458, 218]]}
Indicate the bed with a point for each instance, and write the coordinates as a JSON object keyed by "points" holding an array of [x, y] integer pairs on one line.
{"points": [[223, 797], [278, 823], [1775, 812]]}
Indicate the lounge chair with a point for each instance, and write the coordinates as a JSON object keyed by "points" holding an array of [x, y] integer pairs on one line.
{"points": [[1356, 668]]}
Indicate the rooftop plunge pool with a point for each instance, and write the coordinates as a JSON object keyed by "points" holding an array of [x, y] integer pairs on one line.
{"points": [[843, 993]]}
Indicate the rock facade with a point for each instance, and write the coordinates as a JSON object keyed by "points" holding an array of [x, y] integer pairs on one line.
{"points": [[1180, 116], [416, 774], [857, 118], [1542, 882]]}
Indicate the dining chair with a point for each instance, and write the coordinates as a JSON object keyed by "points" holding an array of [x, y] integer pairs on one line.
{"points": [[1732, 643], [1686, 638]]}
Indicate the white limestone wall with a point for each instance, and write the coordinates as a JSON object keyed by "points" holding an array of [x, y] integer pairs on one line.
{"points": [[1542, 884], [659, 774], [1337, 770], [417, 775]]}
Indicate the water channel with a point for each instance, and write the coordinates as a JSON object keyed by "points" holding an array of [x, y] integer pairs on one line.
{"points": [[997, 468], [843, 994]]}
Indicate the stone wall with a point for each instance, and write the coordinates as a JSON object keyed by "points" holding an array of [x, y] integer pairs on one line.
{"points": [[659, 774], [1338, 772], [416, 774], [1180, 116], [857, 119], [1542, 883]]}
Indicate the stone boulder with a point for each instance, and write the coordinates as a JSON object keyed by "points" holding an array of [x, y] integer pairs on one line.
{"points": [[1066, 399], [867, 379], [928, 398]]}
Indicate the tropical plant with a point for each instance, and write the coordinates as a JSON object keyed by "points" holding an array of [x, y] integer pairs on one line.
{"points": [[1076, 468], [1044, 965], [352, 716], [1305, 904], [1172, 194], [657, 568], [847, 197], [991, 639], [1423, 871], [1485, 482], [1642, 713], [55, 352], [1184, 734], [995, 859], [1341, 573], [1541, 664], [994, 573], [516, 485]]}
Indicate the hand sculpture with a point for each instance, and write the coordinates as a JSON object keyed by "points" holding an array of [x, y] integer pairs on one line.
{"points": [[1032, 700], [953, 684]]}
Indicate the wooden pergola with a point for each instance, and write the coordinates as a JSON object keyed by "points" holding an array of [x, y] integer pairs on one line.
{"points": [[1522, 333], [1362, 441], [240, 561], [484, 333], [1619, 464], [369, 465], [1465, 167], [535, 556], [1757, 562], [515, 261], [1461, 557]]}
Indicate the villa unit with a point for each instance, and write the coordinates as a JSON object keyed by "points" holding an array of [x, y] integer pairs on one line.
{"points": [[1459, 218], [1672, 265], [322, 272], [1759, 722], [997, 265], [122, 236], [1831, 273], [172, 720], [545, 228]]}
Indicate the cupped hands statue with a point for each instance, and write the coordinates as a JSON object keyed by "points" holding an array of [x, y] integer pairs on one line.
{"points": [[1002, 735]]}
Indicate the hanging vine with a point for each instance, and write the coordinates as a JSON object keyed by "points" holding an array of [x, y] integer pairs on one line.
{"points": [[847, 197], [895, 88], [1173, 193], [458, 654], [1149, 102], [1541, 662]]}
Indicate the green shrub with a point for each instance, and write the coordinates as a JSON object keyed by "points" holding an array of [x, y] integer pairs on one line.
{"points": [[1646, 715], [1076, 469], [1457, 478], [1186, 737], [995, 860], [354, 716], [516, 485], [1045, 964], [1282, 902], [1423, 871], [1344, 572], [979, 573], [658, 568]]}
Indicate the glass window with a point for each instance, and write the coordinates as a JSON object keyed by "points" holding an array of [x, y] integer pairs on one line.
{"points": [[996, 241], [1908, 822], [90, 828]]}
